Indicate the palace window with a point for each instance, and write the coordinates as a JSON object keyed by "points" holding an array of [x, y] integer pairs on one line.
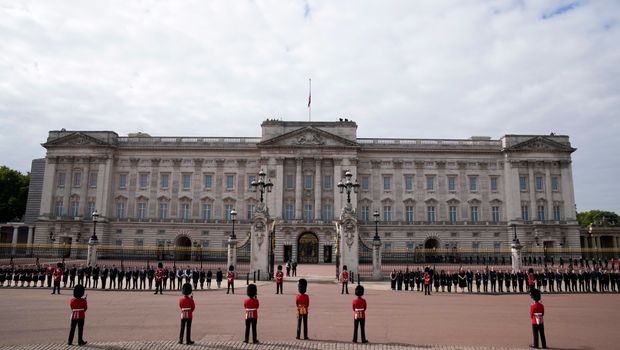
{"points": [[61, 180], [227, 209], [250, 208], [430, 182], [92, 180], [251, 178], [141, 210], [493, 180], [473, 184], [409, 216], [365, 213], [77, 179], [327, 212], [387, 183], [163, 211], [165, 179], [452, 183], [308, 213], [186, 179], [290, 182], [495, 214], [365, 184], [539, 183], [122, 181], [144, 181], [75, 208], [430, 213], [208, 181], [452, 214], [185, 211], [541, 213], [409, 183], [308, 181], [557, 214], [523, 183], [387, 213], [327, 182], [555, 183], [120, 210], [58, 208], [289, 212], [206, 211], [90, 209], [230, 182], [525, 213], [474, 214]]}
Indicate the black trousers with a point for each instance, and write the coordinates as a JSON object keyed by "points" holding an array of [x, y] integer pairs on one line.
{"points": [[231, 285], [361, 323], [80, 326], [158, 287], [304, 319], [56, 287], [279, 288], [188, 337], [427, 289], [536, 330], [252, 322], [345, 288]]}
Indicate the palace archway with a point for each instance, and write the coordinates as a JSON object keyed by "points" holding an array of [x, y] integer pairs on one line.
{"points": [[308, 248]]}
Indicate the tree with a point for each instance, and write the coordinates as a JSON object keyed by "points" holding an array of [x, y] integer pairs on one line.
{"points": [[598, 217], [13, 194]]}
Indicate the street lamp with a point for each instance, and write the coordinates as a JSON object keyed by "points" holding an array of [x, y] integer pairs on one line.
{"points": [[260, 185], [515, 240], [376, 215], [233, 217], [348, 185], [95, 217]]}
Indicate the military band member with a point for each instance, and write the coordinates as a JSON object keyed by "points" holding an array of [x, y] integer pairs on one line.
{"points": [[78, 307], [469, 275], [218, 277], [581, 281], [406, 277], [42, 277], [57, 277], [302, 302], [230, 279], [551, 279], [2, 277], [344, 280], [187, 305], [436, 282], [443, 280], [159, 276], [455, 281], [359, 314], [537, 312], [558, 280], [279, 280], [513, 277], [120, 277], [165, 279], [80, 275], [202, 278], [188, 275], [399, 280], [209, 277], [250, 305]]}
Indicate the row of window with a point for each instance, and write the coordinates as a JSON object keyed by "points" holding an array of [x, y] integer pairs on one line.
{"points": [[431, 214], [186, 181], [161, 243], [76, 180], [539, 183], [541, 212], [431, 183], [74, 208], [474, 245]]}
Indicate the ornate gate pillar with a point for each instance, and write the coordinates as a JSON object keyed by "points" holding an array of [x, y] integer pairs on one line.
{"points": [[259, 256], [348, 232]]}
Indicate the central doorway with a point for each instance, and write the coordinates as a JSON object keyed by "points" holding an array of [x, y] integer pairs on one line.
{"points": [[308, 248], [430, 247], [183, 249]]}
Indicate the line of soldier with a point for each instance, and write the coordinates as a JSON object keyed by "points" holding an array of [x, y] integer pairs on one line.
{"points": [[134, 277], [545, 279]]}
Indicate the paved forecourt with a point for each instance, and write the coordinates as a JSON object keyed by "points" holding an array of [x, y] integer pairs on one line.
{"points": [[572, 321]]}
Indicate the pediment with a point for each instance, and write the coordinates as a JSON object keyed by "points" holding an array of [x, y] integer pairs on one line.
{"points": [[308, 137], [76, 139], [540, 144]]}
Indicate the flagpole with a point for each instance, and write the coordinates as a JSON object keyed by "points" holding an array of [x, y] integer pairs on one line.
{"points": [[309, 100]]}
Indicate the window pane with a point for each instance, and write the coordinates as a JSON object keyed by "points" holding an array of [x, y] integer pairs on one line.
{"points": [[430, 183], [327, 182], [452, 183], [308, 182], [387, 183], [365, 183], [230, 182], [208, 181]]}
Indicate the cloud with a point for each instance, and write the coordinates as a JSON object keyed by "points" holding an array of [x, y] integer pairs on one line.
{"points": [[423, 69]]}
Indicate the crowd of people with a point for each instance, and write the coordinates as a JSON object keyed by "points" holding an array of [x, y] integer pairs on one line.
{"points": [[112, 277], [546, 279]]}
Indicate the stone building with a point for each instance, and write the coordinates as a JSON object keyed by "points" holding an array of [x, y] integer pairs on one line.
{"points": [[179, 191]]}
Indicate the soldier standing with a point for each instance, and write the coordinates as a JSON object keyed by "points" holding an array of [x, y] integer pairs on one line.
{"points": [[393, 279], [500, 281], [187, 305], [57, 277], [344, 280], [180, 275], [485, 281], [250, 305], [230, 279], [96, 272], [113, 273], [202, 278], [302, 301], [427, 284], [171, 276], [159, 276], [218, 277], [48, 272], [88, 272], [359, 314], [78, 314], [478, 278], [150, 274], [209, 277], [294, 268], [195, 277], [279, 280], [537, 312], [72, 274], [493, 278]]}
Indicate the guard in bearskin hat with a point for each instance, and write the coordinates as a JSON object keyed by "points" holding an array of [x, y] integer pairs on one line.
{"points": [[537, 311], [302, 301], [250, 304], [186, 303], [230, 279], [78, 307], [344, 279], [57, 277], [279, 280], [159, 277], [359, 314]]}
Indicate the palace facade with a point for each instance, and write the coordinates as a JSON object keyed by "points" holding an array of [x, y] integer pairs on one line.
{"points": [[179, 191]]}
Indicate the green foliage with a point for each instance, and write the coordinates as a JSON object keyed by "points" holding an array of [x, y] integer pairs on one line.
{"points": [[598, 217], [13, 194]]}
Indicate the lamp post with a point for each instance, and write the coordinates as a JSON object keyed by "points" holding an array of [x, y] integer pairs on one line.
{"points": [[233, 217], [376, 215], [95, 218], [260, 185], [348, 185]]}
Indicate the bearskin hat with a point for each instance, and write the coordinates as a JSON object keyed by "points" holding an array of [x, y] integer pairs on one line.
{"points": [[251, 291], [187, 289], [78, 291], [535, 294], [231, 268], [359, 290], [302, 286]]}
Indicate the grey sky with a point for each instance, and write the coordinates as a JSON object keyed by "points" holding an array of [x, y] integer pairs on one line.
{"points": [[409, 69]]}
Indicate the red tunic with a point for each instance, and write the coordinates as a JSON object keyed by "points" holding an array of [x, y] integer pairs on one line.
{"points": [[531, 279], [279, 276], [251, 308], [359, 308], [344, 276], [187, 307], [159, 275], [537, 311], [78, 308], [57, 275], [303, 302], [427, 278], [230, 276]]}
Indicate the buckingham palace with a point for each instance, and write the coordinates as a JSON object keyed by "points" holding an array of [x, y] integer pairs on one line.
{"points": [[152, 191]]}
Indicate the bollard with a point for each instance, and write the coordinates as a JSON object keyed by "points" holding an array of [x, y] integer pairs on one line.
{"points": [[259, 275], [254, 278], [358, 278], [247, 279]]}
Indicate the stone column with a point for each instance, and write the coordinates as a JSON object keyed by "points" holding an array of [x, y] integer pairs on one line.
{"points": [[515, 249], [377, 275], [298, 190], [29, 241], [317, 190], [92, 252], [14, 241], [349, 245], [259, 258], [232, 253]]}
